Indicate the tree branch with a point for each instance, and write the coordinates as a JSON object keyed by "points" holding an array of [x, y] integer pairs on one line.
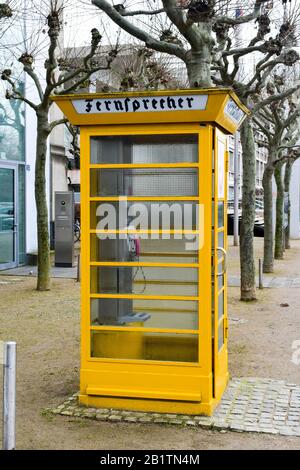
{"points": [[262, 127], [17, 95], [142, 12], [188, 30], [150, 41], [51, 63], [289, 146], [86, 76], [292, 117], [273, 99], [29, 70], [241, 19], [58, 122]]}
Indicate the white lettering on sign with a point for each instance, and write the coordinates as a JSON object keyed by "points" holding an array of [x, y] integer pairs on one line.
{"points": [[141, 104], [234, 112]]}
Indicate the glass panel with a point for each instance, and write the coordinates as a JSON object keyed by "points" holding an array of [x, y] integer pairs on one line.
{"points": [[143, 215], [221, 169], [221, 335], [7, 217], [145, 149], [150, 250], [144, 182], [21, 213], [144, 345], [221, 304], [220, 282], [220, 214], [11, 123], [221, 239], [175, 314], [144, 280]]}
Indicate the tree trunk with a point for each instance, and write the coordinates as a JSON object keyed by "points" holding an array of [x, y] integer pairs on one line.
{"points": [[268, 263], [199, 67], [199, 60], [279, 212], [287, 180], [248, 213], [43, 279]]}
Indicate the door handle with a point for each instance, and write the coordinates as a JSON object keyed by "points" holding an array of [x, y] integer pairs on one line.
{"points": [[219, 248]]}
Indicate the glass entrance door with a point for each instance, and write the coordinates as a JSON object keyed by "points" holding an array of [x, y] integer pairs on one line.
{"points": [[8, 214]]}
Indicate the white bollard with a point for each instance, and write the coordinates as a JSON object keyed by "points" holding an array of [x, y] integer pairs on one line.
{"points": [[260, 274], [9, 395]]}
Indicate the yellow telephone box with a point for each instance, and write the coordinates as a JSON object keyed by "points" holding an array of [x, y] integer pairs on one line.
{"points": [[153, 247]]}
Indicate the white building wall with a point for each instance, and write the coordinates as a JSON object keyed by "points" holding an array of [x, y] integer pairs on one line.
{"points": [[295, 201], [30, 152]]}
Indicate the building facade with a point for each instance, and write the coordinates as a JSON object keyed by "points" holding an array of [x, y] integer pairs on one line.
{"points": [[18, 228]]}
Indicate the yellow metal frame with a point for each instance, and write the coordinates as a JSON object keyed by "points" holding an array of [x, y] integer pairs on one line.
{"points": [[214, 111], [152, 385], [186, 375], [220, 355]]}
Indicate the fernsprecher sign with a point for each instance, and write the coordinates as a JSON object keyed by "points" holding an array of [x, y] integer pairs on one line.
{"points": [[141, 104], [234, 112]]}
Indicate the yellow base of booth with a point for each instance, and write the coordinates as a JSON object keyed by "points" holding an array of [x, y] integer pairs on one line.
{"points": [[106, 393], [156, 406]]}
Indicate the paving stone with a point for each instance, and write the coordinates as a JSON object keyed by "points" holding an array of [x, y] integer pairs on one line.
{"points": [[161, 420], [175, 421], [130, 419], [249, 404], [115, 418], [66, 413], [144, 419], [102, 417]]}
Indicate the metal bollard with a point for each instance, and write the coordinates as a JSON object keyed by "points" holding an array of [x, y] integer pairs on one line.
{"points": [[78, 269], [260, 274], [9, 395]]}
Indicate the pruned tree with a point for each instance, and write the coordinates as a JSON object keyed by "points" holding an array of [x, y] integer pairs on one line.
{"points": [[294, 154], [278, 121], [53, 82], [5, 10], [200, 34], [272, 51], [142, 69]]}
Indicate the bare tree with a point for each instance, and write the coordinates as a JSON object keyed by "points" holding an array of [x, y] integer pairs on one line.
{"points": [[57, 82], [198, 33], [290, 153], [277, 120], [184, 29], [294, 154], [273, 52]]}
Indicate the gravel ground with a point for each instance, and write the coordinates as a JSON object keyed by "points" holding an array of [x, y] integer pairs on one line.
{"points": [[46, 328]]}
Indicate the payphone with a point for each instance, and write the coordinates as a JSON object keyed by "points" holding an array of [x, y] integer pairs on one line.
{"points": [[154, 329], [64, 228]]}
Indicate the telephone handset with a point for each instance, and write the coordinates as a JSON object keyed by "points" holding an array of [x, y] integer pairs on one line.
{"points": [[134, 246]]}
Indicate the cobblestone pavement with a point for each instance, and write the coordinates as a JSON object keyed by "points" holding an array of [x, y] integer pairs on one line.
{"points": [[248, 405]]}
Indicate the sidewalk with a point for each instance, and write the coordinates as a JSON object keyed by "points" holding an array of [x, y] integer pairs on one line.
{"points": [[269, 280], [46, 328]]}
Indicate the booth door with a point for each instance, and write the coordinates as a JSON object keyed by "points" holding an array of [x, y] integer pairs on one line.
{"points": [[219, 301]]}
